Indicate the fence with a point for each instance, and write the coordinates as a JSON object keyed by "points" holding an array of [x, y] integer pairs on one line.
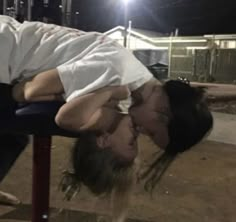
{"points": [[199, 58]]}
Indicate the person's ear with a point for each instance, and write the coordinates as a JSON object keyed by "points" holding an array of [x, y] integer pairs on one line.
{"points": [[103, 140]]}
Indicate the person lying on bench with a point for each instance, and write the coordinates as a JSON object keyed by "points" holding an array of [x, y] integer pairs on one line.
{"points": [[114, 140], [68, 63], [50, 62]]}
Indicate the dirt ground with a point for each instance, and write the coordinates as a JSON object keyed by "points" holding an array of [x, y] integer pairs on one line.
{"points": [[224, 107], [198, 187]]}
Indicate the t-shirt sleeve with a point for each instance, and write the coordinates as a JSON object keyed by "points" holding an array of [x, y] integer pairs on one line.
{"points": [[92, 72]]}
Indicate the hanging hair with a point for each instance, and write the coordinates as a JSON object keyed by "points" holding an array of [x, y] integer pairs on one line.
{"points": [[190, 122], [99, 169]]}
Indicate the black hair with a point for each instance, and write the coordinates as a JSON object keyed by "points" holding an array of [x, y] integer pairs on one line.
{"points": [[99, 169], [190, 122]]}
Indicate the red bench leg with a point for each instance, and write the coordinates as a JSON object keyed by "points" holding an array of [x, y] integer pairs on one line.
{"points": [[41, 178]]}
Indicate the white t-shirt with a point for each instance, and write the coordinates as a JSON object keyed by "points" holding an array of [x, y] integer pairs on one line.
{"points": [[86, 61]]}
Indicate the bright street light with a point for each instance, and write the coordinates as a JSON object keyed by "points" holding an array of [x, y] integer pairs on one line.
{"points": [[126, 1]]}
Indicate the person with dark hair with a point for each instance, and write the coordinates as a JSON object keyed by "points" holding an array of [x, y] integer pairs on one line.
{"points": [[185, 121]]}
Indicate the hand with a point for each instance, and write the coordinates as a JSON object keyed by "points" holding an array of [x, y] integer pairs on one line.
{"points": [[120, 92]]}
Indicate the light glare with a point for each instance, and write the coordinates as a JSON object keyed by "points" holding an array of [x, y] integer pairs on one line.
{"points": [[126, 1]]}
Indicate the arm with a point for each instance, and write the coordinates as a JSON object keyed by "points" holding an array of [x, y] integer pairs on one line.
{"points": [[100, 120], [84, 112], [45, 86]]}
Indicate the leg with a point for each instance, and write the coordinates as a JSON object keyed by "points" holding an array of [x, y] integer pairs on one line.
{"points": [[8, 199], [8, 105], [10, 148]]}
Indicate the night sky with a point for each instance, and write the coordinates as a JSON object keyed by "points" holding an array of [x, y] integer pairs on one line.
{"points": [[191, 17]]}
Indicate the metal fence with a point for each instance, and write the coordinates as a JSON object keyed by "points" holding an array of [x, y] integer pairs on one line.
{"points": [[205, 59]]}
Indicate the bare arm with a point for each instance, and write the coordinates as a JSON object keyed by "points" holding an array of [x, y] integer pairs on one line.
{"points": [[45, 86], [101, 119], [84, 112]]}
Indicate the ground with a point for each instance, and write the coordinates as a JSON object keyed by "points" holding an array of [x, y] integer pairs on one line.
{"points": [[198, 187], [224, 107]]}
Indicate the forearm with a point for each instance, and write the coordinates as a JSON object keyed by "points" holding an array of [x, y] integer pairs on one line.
{"points": [[45, 86], [19, 97], [101, 120], [76, 114], [18, 91]]}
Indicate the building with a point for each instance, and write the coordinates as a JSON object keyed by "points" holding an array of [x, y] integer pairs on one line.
{"points": [[199, 58], [136, 38]]}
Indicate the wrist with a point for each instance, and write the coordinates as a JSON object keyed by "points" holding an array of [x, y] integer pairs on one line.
{"points": [[120, 92]]}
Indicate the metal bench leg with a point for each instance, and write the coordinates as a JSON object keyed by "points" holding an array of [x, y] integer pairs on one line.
{"points": [[41, 178]]}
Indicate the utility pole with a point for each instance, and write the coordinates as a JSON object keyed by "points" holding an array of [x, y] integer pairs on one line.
{"points": [[4, 7], [66, 12], [126, 25]]}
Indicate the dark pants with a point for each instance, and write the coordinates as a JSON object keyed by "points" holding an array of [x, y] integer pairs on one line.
{"points": [[11, 146]]}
